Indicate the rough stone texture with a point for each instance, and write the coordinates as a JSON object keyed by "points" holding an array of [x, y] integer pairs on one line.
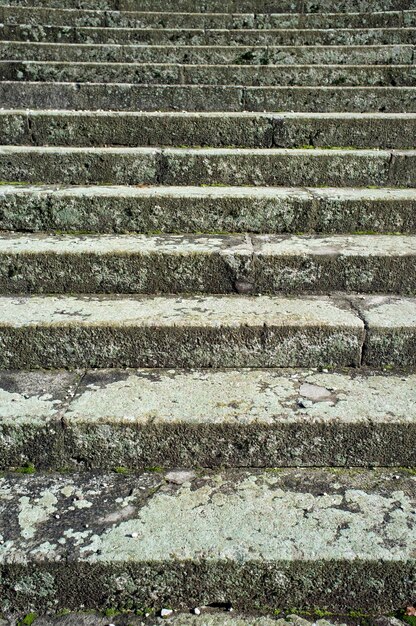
{"points": [[391, 330], [230, 418], [206, 209], [201, 37], [207, 264], [244, 418], [229, 6], [101, 128], [344, 539], [32, 405], [167, 73], [208, 617], [215, 55], [222, 331], [130, 264], [209, 166], [123, 97], [59, 17]]}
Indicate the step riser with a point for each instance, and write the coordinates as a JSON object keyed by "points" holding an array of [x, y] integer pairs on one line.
{"points": [[164, 74], [228, 6], [39, 16], [146, 419], [262, 265], [112, 97], [182, 544], [348, 55], [198, 167], [322, 211], [207, 38], [216, 131]]}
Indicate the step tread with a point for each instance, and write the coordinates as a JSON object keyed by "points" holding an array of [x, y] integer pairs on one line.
{"points": [[234, 531]]}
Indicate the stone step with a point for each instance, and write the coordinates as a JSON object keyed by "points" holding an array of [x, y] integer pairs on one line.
{"points": [[221, 6], [202, 37], [283, 130], [115, 19], [111, 209], [210, 617], [206, 331], [401, 54], [261, 264], [206, 264], [123, 97], [107, 419], [209, 166], [252, 538], [193, 331], [168, 73]]}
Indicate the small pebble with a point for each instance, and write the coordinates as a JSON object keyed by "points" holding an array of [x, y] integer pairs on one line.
{"points": [[166, 612], [134, 535], [197, 611]]}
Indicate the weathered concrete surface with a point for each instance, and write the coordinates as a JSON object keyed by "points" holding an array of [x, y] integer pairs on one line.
{"points": [[32, 405], [391, 329], [311, 538], [206, 209], [134, 264], [216, 331], [124, 97], [229, 6], [207, 264], [231, 418], [201, 37], [168, 73], [214, 55], [283, 418], [261, 130], [133, 19], [209, 166]]}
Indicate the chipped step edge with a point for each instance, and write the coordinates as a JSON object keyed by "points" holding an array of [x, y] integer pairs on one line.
{"points": [[268, 264]]}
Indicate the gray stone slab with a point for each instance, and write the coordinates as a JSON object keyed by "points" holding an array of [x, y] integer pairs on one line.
{"points": [[217, 6], [239, 75], [206, 209], [178, 36], [391, 330], [217, 331], [241, 418], [257, 130], [311, 538], [91, 18], [207, 264], [31, 408], [135, 419], [215, 55], [208, 166], [124, 97], [364, 263], [126, 264]]}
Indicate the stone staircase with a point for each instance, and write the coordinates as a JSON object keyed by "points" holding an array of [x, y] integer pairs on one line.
{"points": [[207, 311]]}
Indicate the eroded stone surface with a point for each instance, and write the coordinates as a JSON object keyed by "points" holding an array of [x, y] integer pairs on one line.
{"points": [[211, 539], [391, 335], [215, 264], [211, 331]]}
